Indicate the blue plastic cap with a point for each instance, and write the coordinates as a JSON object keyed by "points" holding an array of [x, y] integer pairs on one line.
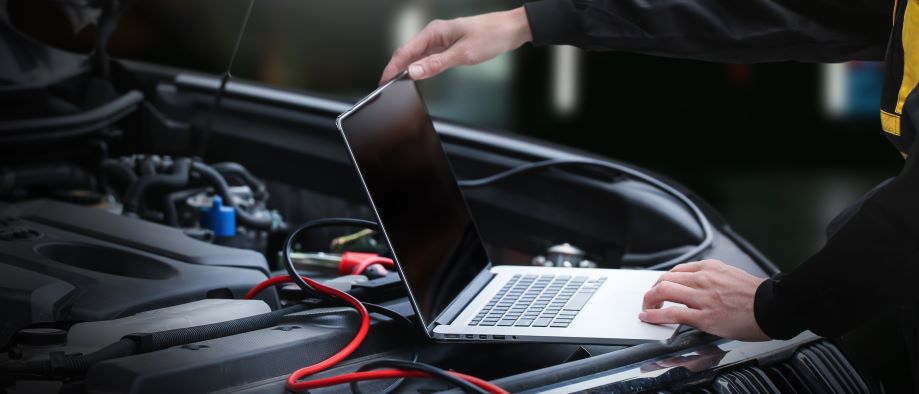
{"points": [[219, 219]]}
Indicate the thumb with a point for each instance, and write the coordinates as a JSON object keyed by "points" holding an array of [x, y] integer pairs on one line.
{"points": [[433, 65]]}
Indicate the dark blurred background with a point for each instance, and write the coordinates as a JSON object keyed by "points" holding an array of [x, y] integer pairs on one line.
{"points": [[777, 148]]}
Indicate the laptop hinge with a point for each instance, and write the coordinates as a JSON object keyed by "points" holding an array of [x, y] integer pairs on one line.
{"points": [[464, 297]]}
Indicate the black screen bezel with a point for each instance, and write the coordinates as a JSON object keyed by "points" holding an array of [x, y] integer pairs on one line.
{"points": [[368, 100]]}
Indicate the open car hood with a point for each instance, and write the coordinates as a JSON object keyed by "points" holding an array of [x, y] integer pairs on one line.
{"points": [[26, 63]]}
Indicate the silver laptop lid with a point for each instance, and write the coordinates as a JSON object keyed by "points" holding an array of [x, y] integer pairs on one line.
{"points": [[415, 196]]}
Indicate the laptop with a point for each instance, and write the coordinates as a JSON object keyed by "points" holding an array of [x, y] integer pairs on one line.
{"points": [[455, 289]]}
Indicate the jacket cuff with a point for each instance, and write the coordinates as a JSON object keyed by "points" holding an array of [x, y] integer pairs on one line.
{"points": [[776, 320], [553, 22]]}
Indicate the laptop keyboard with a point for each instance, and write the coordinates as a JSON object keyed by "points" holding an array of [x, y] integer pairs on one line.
{"points": [[538, 301]]}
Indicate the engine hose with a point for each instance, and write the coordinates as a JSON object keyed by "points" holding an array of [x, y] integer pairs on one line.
{"points": [[259, 190], [119, 172], [147, 165], [177, 179], [59, 364], [211, 176], [181, 336], [43, 175]]}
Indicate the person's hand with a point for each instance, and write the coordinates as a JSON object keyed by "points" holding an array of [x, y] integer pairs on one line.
{"points": [[718, 298], [462, 41]]}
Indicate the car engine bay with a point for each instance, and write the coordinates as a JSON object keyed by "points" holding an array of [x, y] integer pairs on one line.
{"points": [[139, 201]]}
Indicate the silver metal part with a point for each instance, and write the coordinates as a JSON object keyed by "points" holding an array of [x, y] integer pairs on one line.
{"points": [[564, 255]]}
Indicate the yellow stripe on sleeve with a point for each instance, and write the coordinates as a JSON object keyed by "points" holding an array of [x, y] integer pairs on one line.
{"points": [[890, 123], [910, 38]]}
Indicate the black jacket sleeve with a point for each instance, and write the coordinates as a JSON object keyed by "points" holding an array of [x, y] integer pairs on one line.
{"points": [[870, 265], [736, 31]]}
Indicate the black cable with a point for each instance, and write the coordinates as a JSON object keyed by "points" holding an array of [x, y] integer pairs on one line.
{"points": [[292, 272], [426, 368], [374, 308], [708, 236], [295, 276], [416, 351], [289, 263]]}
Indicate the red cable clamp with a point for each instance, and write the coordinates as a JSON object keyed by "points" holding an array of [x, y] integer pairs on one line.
{"points": [[354, 263]]}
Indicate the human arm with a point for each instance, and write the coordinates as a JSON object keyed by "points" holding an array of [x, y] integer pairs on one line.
{"points": [[718, 30], [462, 41], [871, 264], [714, 30]]}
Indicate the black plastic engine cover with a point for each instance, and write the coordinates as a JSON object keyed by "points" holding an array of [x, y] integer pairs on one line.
{"points": [[64, 262]]}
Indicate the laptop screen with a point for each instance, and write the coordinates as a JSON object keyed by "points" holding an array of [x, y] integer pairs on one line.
{"points": [[414, 192]]}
